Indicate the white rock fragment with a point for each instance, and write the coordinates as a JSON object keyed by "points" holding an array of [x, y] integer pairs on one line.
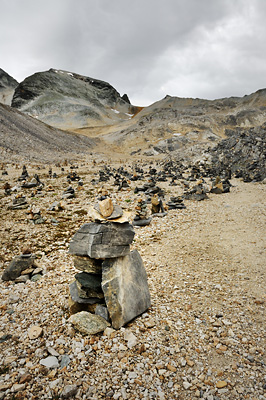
{"points": [[50, 362], [186, 385], [130, 338], [35, 332]]}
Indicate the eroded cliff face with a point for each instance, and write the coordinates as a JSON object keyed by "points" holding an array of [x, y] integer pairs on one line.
{"points": [[7, 87], [67, 100]]}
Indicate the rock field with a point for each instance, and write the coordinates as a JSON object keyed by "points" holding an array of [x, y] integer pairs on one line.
{"points": [[202, 337]]}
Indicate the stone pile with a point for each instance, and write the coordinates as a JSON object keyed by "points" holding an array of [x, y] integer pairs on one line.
{"points": [[157, 205], [141, 218], [220, 186], [149, 188], [176, 203], [112, 284], [198, 192], [34, 215], [18, 203], [69, 193], [7, 189], [24, 174], [242, 152], [23, 268], [35, 181]]}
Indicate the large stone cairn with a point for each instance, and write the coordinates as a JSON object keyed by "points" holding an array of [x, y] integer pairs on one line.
{"points": [[112, 283]]}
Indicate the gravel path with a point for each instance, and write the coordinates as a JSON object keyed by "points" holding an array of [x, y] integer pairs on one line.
{"points": [[204, 335]]}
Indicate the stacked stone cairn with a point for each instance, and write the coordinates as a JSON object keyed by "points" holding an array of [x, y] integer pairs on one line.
{"points": [[176, 203], [220, 186], [157, 207], [19, 202], [112, 285], [23, 268], [198, 192], [141, 218]]}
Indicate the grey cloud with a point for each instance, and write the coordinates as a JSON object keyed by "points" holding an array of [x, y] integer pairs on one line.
{"points": [[146, 48]]}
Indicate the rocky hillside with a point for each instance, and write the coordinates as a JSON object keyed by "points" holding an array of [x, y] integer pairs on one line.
{"points": [[243, 153], [24, 137], [67, 100], [179, 128], [7, 87], [177, 125]]}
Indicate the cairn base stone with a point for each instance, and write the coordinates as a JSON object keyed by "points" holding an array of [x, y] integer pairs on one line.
{"points": [[88, 323], [125, 287]]}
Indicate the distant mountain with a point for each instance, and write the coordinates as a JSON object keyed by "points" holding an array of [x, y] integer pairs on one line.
{"points": [[7, 87], [180, 127], [175, 124], [69, 101], [24, 137]]}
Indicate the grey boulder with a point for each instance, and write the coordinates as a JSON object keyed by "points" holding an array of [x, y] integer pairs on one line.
{"points": [[125, 288], [100, 241]]}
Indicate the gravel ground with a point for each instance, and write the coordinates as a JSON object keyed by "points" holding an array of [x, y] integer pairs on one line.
{"points": [[204, 335]]}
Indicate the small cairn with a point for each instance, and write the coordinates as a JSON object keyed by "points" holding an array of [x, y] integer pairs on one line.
{"points": [[176, 203], [19, 202], [7, 189], [34, 215], [141, 218], [197, 192], [69, 193], [23, 268], [220, 186], [157, 207], [112, 285], [24, 175]]}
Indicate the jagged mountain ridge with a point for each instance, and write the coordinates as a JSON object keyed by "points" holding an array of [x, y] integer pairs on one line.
{"points": [[69, 101], [24, 137], [7, 87]]}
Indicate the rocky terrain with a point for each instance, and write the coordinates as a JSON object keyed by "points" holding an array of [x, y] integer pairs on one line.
{"points": [[243, 152], [190, 174], [204, 334], [187, 126]]}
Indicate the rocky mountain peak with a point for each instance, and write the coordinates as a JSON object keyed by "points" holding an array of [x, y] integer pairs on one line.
{"points": [[68, 100]]}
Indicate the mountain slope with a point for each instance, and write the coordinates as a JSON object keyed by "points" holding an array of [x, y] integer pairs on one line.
{"points": [[176, 123], [7, 87], [68, 101], [29, 139], [94, 108]]}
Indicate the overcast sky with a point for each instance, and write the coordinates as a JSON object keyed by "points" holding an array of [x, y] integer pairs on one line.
{"points": [[145, 48]]}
